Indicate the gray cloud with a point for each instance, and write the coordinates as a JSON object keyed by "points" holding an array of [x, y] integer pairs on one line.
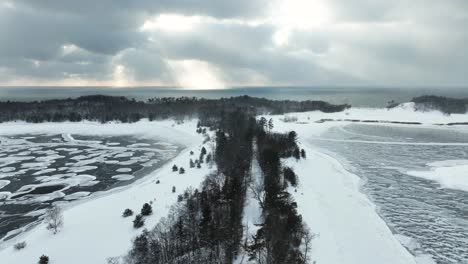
{"points": [[402, 42]]}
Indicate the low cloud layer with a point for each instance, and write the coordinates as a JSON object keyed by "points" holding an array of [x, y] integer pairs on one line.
{"points": [[218, 43]]}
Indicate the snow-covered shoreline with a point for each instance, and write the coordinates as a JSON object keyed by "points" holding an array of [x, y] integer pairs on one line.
{"points": [[348, 226], [94, 227]]}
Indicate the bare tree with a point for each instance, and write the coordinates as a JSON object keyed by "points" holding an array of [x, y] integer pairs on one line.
{"points": [[259, 193], [307, 237], [54, 219]]}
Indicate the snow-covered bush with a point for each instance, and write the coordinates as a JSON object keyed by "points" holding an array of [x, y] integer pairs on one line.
{"points": [[128, 212], [113, 260], [289, 119], [20, 245]]}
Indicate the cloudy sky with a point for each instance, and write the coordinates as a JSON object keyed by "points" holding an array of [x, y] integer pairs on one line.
{"points": [[223, 43]]}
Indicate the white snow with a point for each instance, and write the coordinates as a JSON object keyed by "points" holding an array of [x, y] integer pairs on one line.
{"points": [[123, 177], [124, 170], [452, 174], [252, 213], [348, 228], [94, 227], [4, 183]]}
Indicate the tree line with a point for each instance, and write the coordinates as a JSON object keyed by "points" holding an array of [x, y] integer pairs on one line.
{"points": [[103, 108], [205, 225]]}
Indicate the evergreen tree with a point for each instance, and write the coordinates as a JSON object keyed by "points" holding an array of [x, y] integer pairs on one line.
{"points": [[262, 122], [198, 165], [128, 212], [303, 153], [292, 136], [174, 168], [138, 221], [181, 170], [173, 189], [44, 259], [146, 209], [208, 158], [297, 153], [270, 124], [290, 176], [192, 164], [203, 150]]}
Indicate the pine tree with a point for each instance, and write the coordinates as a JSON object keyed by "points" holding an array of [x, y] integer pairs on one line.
{"points": [[174, 168], [303, 153], [173, 189], [44, 259], [292, 136], [262, 122], [181, 170], [198, 165], [203, 150], [208, 158], [297, 153], [138, 221], [146, 209], [192, 164], [270, 124], [128, 212]]}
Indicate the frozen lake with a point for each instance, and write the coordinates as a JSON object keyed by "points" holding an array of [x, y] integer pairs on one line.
{"points": [[39, 169], [428, 219]]}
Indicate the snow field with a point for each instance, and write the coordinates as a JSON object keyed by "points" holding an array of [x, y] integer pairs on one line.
{"points": [[94, 228]]}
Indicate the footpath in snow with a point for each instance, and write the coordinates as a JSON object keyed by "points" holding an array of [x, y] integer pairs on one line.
{"points": [[94, 228]]}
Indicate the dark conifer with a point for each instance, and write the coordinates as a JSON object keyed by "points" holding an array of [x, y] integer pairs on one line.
{"points": [[44, 259], [138, 221], [128, 212], [146, 209]]}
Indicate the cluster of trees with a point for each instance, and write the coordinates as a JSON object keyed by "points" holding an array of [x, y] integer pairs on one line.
{"points": [[444, 104], [109, 108], [282, 238], [205, 226]]}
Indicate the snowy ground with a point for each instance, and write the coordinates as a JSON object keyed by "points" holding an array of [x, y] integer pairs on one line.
{"points": [[94, 228], [348, 228]]}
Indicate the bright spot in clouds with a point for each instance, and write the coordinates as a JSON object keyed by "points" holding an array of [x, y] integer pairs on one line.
{"points": [[171, 23], [293, 15], [120, 76], [196, 74]]}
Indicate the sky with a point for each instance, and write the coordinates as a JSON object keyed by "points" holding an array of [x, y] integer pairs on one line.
{"points": [[207, 44]]}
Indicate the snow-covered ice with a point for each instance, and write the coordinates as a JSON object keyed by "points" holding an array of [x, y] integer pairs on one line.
{"points": [[449, 174], [94, 227]]}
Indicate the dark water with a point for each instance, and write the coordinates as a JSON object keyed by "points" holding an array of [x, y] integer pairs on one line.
{"points": [[45, 169], [356, 96], [436, 218]]}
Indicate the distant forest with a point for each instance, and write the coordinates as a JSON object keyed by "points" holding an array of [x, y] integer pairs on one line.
{"points": [[103, 108], [444, 104]]}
